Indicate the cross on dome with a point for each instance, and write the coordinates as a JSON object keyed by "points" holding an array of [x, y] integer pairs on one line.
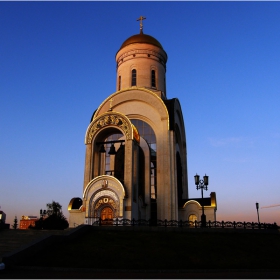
{"points": [[141, 23]]}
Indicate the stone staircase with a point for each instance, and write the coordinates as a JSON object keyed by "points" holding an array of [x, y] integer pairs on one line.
{"points": [[11, 240]]}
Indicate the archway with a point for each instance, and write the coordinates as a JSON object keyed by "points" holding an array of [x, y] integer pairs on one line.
{"points": [[192, 219]]}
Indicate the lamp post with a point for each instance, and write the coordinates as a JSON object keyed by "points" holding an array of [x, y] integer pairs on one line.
{"points": [[257, 207], [42, 213], [203, 185]]}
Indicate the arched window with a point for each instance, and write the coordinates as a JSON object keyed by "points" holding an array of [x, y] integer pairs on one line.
{"points": [[133, 77], [120, 80], [153, 78]]}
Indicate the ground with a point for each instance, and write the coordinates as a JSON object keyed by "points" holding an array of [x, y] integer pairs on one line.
{"points": [[145, 254]]}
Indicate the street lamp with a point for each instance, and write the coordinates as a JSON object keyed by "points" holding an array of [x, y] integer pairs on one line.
{"points": [[202, 184], [257, 206], [42, 213]]}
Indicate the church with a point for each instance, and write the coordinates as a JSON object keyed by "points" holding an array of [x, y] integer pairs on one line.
{"points": [[136, 149]]}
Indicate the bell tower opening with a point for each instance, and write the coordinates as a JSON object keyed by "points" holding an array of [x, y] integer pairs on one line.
{"points": [[119, 163], [108, 148]]}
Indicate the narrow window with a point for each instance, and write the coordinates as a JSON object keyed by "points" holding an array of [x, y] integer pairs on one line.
{"points": [[153, 78], [120, 79], [133, 78]]}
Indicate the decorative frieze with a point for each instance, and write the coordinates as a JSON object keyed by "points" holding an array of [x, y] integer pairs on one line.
{"points": [[110, 119], [148, 53], [105, 201]]}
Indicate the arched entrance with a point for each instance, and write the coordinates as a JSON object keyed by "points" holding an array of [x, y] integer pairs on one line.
{"points": [[106, 209], [192, 219], [100, 194]]}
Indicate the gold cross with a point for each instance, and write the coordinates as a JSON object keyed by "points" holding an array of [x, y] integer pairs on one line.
{"points": [[111, 101], [141, 23]]}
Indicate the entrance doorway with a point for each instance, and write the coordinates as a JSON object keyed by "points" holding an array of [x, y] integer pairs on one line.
{"points": [[192, 219], [107, 216]]}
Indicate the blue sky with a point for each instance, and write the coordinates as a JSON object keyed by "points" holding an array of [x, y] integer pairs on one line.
{"points": [[57, 64]]}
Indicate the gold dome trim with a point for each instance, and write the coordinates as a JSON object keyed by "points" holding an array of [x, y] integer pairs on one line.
{"points": [[141, 39]]}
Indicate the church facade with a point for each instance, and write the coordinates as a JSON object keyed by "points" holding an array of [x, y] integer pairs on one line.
{"points": [[136, 151]]}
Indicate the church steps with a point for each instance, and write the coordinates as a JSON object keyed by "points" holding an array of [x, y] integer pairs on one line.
{"points": [[17, 244], [12, 240]]}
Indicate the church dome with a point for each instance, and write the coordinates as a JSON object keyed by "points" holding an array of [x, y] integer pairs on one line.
{"points": [[141, 62], [141, 38]]}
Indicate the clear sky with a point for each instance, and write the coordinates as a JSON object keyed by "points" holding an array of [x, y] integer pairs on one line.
{"points": [[57, 64]]}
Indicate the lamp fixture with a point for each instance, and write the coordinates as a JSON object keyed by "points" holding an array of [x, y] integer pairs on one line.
{"points": [[203, 185]]}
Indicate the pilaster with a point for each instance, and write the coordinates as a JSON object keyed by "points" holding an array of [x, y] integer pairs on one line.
{"points": [[88, 165], [128, 178]]}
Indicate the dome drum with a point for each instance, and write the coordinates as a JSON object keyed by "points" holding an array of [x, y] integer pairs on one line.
{"points": [[141, 62], [145, 53]]}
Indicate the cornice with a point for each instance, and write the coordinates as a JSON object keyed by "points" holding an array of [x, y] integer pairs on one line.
{"points": [[155, 55]]}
